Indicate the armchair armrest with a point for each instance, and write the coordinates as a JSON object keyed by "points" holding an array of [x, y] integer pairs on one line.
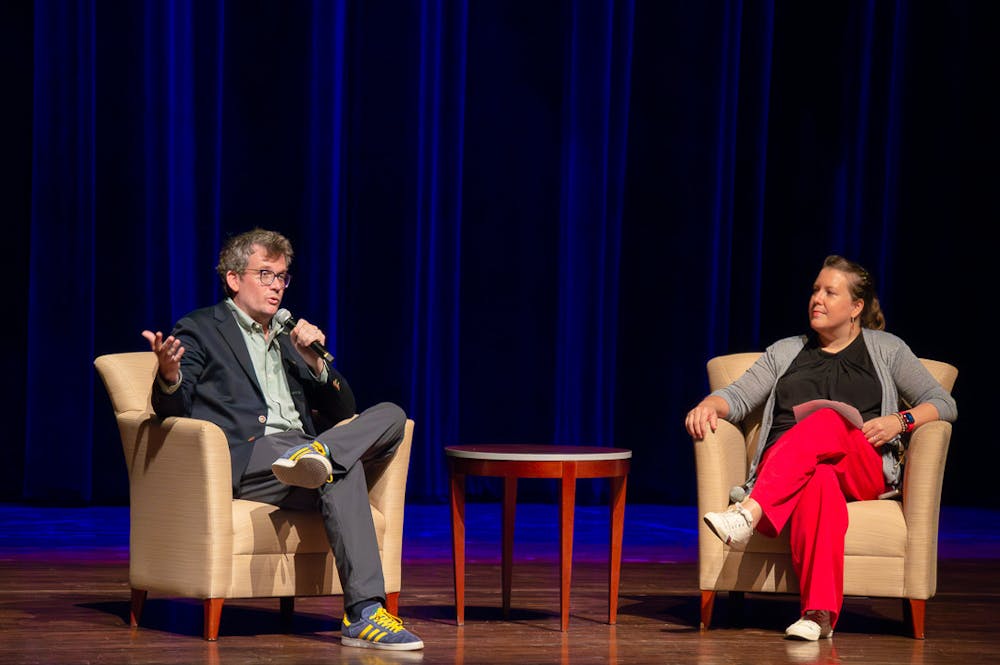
{"points": [[720, 462], [180, 494], [923, 478], [387, 493]]}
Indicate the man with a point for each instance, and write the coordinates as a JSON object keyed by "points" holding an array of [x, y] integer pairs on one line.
{"points": [[231, 364]]}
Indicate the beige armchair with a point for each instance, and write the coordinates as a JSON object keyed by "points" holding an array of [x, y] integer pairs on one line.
{"points": [[891, 547], [189, 538]]}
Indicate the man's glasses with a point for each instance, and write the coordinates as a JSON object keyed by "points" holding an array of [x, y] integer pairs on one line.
{"points": [[266, 277]]}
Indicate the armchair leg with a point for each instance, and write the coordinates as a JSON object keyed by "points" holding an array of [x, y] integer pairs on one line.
{"points": [[707, 603], [392, 603], [135, 611], [213, 615], [914, 612]]}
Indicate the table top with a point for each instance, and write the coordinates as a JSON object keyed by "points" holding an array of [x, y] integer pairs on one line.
{"points": [[521, 452]]}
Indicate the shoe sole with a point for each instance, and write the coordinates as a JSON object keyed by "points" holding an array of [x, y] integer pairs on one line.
{"points": [[721, 535], [806, 638], [309, 471], [390, 646]]}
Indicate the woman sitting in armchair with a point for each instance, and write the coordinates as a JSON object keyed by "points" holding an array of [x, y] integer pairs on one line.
{"points": [[808, 468]]}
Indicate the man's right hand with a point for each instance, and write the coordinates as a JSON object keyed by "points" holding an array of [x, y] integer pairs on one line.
{"points": [[168, 353]]}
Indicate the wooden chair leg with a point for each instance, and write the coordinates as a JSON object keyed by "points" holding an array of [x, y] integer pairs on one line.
{"points": [[213, 615], [707, 603], [392, 603], [135, 611], [914, 612]]}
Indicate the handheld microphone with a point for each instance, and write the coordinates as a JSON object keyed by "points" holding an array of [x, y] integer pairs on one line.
{"points": [[285, 318]]}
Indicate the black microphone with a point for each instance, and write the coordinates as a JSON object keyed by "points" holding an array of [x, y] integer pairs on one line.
{"points": [[285, 318]]}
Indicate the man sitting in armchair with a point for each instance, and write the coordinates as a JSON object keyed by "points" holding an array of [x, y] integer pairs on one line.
{"points": [[232, 365]]}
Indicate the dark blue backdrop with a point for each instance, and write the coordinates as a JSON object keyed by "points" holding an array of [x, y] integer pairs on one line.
{"points": [[522, 221]]}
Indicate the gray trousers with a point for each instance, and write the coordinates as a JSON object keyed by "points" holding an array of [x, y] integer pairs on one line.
{"points": [[374, 435]]}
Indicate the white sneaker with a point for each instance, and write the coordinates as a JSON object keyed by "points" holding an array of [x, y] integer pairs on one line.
{"points": [[733, 527], [810, 627]]}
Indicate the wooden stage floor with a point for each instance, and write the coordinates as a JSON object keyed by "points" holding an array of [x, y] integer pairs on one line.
{"points": [[64, 599]]}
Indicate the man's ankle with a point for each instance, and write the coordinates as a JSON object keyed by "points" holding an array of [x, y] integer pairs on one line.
{"points": [[353, 611]]}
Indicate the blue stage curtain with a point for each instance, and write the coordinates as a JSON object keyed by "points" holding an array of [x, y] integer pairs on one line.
{"points": [[436, 223], [595, 127], [60, 277], [521, 221], [321, 244]]}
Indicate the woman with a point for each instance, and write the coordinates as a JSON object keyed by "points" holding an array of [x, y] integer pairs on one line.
{"points": [[807, 469]]}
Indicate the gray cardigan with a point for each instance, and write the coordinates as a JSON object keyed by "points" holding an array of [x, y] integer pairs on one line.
{"points": [[900, 372]]}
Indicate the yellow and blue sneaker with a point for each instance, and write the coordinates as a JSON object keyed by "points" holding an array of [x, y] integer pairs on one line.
{"points": [[304, 466], [377, 629]]}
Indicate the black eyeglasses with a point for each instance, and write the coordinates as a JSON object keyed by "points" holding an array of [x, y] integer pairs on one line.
{"points": [[266, 277]]}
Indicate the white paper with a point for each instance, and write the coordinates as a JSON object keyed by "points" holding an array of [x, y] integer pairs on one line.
{"points": [[849, 412]]}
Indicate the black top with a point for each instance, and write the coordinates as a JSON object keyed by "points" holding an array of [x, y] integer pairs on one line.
{"points": [[846, 376]]}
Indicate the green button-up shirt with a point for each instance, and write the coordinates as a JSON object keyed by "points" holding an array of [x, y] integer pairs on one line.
{"points": [[265, 354]]}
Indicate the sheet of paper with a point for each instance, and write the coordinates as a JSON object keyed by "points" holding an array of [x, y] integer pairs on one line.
{"points": [[849, 412]]}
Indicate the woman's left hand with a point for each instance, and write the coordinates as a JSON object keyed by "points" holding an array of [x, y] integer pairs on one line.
{"points": [[881, 430]]}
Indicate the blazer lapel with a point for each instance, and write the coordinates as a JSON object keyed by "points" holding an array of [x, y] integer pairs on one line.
{"points": [[230, 331]]}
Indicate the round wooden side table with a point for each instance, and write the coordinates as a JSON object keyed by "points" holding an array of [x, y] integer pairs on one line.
{"points": [[567, 463]]}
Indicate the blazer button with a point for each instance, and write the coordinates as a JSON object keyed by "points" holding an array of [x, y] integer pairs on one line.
{"points": [[262, 419]]}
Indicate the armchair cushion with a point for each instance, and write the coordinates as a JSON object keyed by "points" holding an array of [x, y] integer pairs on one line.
{"points": [[260, 528]]}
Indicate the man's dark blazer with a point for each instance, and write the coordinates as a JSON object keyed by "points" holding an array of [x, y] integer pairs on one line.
{"points": [[218, 384]]}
